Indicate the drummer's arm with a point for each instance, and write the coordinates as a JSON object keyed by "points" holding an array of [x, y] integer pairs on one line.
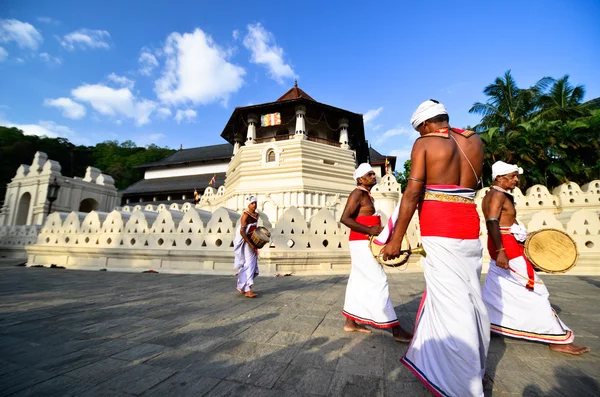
{"points": [[492, 222], [350, 212], [243, 227]]}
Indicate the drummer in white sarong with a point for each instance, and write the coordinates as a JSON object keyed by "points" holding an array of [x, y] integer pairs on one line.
{"points": [[246, 254], [516, 298], [367, 294]]}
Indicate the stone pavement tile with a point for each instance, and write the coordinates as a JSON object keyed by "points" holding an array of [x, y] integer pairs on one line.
{"points": [[348, 385], [7, 367], [322, 353], [177, 359], [99, 371], [67, 362], [305, 380], [144, 334], [61, 386], [140, 353], [262, 373], [401, 388], [110, 347], [21, 379], [288, 339], [172, 339], [255, 335], [353, 354], [182, 384], [227, 388], [138, 378], [516, 381], [333, 328], [203, 343], [252, 350], [100, 391], [218, 366]]}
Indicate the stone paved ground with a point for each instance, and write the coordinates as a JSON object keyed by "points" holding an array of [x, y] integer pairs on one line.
{"points": [[79, 333]]}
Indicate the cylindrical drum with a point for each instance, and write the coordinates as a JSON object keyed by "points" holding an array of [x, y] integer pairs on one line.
{"points": [[551, 250]]}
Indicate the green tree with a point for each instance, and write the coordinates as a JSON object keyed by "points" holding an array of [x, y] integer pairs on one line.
{"points": [[562, 101], [402, 177]]}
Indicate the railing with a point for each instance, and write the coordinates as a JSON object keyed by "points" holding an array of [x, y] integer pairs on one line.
{"points": [[286, 137], [324, 140]]}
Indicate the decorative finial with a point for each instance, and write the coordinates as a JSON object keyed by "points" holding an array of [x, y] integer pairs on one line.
{"points": [[295, 83], [180, 146]]}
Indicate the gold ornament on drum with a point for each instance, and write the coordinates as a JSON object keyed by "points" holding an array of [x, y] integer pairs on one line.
{"points": [[405, 252], [260, 236], [551, 250]]}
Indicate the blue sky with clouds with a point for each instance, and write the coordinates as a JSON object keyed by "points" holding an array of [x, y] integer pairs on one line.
{"points": [[170, 73]]}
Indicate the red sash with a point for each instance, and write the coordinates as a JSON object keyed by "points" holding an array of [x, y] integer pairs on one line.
{"points": [[371, 220], [513, 250], [452, 220]]}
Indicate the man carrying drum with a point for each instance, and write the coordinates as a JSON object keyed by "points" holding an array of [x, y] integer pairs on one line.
{"points": [[245, 252], [367, 294], [515, 297]]}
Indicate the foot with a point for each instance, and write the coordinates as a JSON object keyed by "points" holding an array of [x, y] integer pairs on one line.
{"points": [[569, 349], [487, 380], [351, 326], [401, 335], [250, 294]]}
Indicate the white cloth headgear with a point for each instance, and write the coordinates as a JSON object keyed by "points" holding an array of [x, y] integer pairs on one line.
{"points": [[501, 168], [362, 170], [250, 200], [426, 111]]}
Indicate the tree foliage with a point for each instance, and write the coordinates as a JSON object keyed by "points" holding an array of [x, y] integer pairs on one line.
{"points": [[113, 158]]}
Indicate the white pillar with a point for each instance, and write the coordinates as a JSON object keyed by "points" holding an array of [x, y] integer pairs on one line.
{"points": [[300, 123], [344, 134], [236, 147], [251, 135]]}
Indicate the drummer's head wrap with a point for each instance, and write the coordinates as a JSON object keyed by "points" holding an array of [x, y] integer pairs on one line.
{"points": [[250, 200], [362, 170], [500, 168], [427, 110]]}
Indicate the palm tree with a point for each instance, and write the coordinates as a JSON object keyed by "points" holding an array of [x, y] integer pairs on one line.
{"points": [[508, 105], [562, 102]]}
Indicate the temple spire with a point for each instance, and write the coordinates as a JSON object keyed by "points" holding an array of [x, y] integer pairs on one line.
{"points": [[295, 83]]}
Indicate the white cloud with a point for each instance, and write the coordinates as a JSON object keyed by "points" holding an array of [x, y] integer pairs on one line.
{"points": [[86, 39], [189, 115], [148, 62], [48, 20], [70, 109], [20, 60], [42, 128], [264, 51], [49, 59], [22, 33], [196, 70], [115, 102], [377, 127], [372, 114], [235, 34], [163, 113], [121, 81], [3, 54], [392, 132]]}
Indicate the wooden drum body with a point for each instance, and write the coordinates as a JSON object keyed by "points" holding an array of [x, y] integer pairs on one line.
{"points": [[260, 236], [551, 250]]}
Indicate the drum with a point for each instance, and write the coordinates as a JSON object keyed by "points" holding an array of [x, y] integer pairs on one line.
{"points": [[551, 250], [260, 236], [405, 253]]}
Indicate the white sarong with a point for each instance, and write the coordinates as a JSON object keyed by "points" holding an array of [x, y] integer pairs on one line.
{"points": [[449, 348], [245, 260], [518, 312], [367, 294]]}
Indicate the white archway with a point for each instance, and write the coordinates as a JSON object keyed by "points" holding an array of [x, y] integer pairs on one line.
{"points": [[88, 205], [23, 209]]}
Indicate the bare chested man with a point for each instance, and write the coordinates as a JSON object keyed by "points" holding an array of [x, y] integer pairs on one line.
{"points": [[449, 348], [516, 298], [367, 294]]}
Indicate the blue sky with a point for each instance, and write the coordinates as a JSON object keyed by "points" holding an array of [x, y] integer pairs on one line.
{"points": [[170, 73]]}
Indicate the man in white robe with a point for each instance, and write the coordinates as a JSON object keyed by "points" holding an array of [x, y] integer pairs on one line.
{"points": [[516, 298], [245, 252]]}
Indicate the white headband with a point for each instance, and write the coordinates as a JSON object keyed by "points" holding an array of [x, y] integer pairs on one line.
{"points": [[362, 170], [250, 200], [501, 168], [426, 111]]}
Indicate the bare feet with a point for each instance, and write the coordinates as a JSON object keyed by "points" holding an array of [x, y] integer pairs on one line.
{"points": [[351, 326], [569, 349], [250, 294], [401, 335]]}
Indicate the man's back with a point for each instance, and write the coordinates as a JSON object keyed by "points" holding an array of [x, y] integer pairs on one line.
{"points": [[445, 164]]}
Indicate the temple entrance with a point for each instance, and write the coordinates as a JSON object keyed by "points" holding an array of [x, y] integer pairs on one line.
{"points": [[23, 209], [88, 205]]}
